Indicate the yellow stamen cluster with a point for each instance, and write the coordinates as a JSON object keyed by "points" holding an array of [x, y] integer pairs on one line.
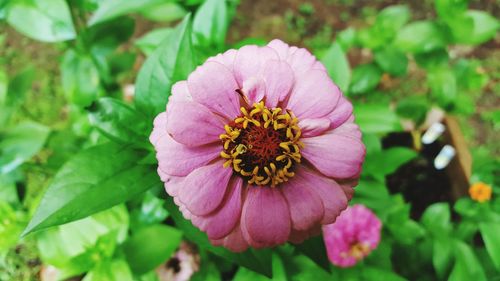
{"points": [[262, 145], [357, 251]]}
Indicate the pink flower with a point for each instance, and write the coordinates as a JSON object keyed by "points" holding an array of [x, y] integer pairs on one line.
{"points": [[259, 147], [352, 237]]}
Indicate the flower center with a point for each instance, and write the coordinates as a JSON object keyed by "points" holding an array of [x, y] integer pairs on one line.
{"points": [[262, 145], [358, 251]]}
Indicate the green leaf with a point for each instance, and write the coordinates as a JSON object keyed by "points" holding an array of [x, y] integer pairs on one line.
{"points": [[443, 86], [44, 20], [110, 270], [337, 65], [490, 232], [436, 218], [314, 248], [20, 143], [172, 61], [149, 42], [165, 12], [80, 78], [256, 260], [392, 60], [442, 255], [485, 27], [119, 122], [210, 24], [390, 20], [414, 108], [377, 274], [110, 9], [95, 179], [447, 9], [365, 78], [161, 243], [467, 266], [376, 118], [385, 162], [420, 37]]}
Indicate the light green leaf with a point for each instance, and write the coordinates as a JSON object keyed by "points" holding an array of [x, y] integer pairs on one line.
{"points": [[161, 243], [436, 218], [392, 60], [165, 12], [467, 266], [149, 42], [110, 9], [420, 37], [391, 19], [443, 86], [442, 255], [337, 65], [20, 143], [365, 78], [93, 180], [110, 271], [80, 78], [377, 274], [172, 61], [485, 27], [44, 20], [210, 23], [490, 232], [376, 118]]}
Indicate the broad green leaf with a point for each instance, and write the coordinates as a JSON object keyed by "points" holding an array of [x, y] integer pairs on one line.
{"points": [[385, 162], [314, 248], [442, 255], [337, 65], [448, 9], [443, 86], [467, 266], [490, 231], [165, 12], [151, 211], [436, 218], [20, 143], [365, 78], [44, 20], [485, 27], [256, 260], [119, 121], [391, 19], [150, 247], [110, 271], [391, 60], [210, 24], [244, 274], [95, 179], [300, 267], [470, 75], [420, 37], [110, 9], [376, 118], [378, 274], [149, 42], [433, 60], [346, 38], [414, 108], [466, 207], [80, 78], [172, 61]]}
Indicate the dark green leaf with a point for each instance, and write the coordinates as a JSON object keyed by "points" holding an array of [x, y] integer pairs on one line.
{"points": [[44, 20], [210, 24], [376, 118], [420, 37], [432, 60], [93, 180], [385, 162], [119, 121], [337, 65], [161, 243], [20, 143], [377, 274], [491, 236], [392, 60], [365, 78], [315, 249], [172, 61], [414, 108], [256, 260]]}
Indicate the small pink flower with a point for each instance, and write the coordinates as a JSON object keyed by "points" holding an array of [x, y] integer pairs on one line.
{"points": [[259, 147], [352, 237]]}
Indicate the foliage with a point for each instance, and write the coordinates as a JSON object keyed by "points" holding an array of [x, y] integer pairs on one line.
{"points": [[103, 214]]}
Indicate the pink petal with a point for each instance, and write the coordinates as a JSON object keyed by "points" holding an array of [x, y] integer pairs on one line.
{"points": [[314, 95], [338, 154], [234, 241], [301, 61], [306, 208], [254, 88], [172, 183], [312, 127], [280, 47], [250, 61], [279, 81], [298, 236], [159, 129], [203, 189], [330, 192], [180, 92], [266, 216], [193, 124], [226, 58], [213, 85], [341, 113], [179, 160], [221, 223]]}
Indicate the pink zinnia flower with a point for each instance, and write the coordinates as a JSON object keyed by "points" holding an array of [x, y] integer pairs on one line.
{"points": [[259, 147], [352, 237]]}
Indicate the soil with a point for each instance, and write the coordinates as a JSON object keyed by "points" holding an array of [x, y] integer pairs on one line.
{"points": [[419, 182]]}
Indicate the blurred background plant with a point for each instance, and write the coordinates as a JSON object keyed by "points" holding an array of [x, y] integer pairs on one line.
{"points": [[80, 81]]}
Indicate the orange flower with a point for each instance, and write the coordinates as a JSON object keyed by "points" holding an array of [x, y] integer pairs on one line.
{"points": [[480, 192]]}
